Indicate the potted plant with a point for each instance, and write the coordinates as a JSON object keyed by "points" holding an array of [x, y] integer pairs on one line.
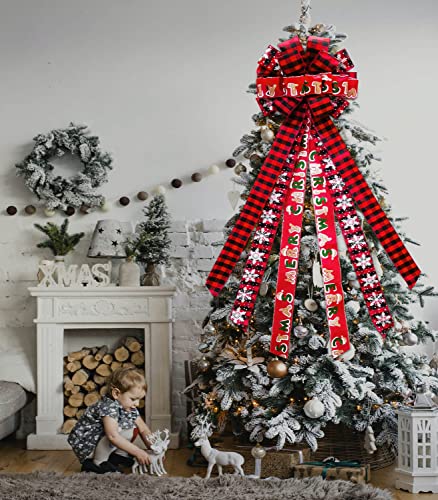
{"points": [[153, 234]]}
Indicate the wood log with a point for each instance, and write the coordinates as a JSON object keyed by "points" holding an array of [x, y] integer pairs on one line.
{"points": [[103, 390], [128, 365], [137, 358], [115, 365], [76, 400], [76, 389], [70, 411], [81, 376], [91, 398], [103, 370], [99, 379], [74, 366], [132, 344], [68, 383], [101, 353], [80, 412], [121, 354], [78, 355], [68, 425], [90, 385], [108, 359], [90, 362]]}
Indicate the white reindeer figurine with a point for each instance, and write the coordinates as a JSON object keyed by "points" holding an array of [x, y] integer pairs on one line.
{"points": [[156, 454], [219, 458]]}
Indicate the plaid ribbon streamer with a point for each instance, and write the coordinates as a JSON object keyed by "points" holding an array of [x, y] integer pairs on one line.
{"points": [[260, 249]]}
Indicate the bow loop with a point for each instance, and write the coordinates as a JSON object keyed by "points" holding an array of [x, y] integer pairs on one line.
{"points": [[291, 58]]}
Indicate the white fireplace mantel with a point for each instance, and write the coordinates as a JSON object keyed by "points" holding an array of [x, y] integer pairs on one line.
{"points": [[59, 309]]}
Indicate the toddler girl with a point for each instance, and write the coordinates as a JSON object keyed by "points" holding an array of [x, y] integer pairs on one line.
{"points": [[101, 439]]}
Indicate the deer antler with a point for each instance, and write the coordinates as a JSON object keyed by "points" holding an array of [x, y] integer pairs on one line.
{"points": [[203, 427]]}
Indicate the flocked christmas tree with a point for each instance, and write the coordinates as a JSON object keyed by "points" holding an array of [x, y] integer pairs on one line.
{"points": [[292, 399], [153, 242]]}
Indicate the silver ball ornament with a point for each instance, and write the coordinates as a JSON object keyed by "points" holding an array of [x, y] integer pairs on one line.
{"points": [[410, 339], [209, 328], [311, 305], [314, 408], [203, 364], [301, 331], [258, 451], [267, 134]]}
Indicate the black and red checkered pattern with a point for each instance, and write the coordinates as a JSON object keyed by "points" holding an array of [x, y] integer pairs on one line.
{"points": [[257, 198], [365, 199]]}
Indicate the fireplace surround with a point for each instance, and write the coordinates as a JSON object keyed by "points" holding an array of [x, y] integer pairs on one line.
{"points": [[62, 309]]}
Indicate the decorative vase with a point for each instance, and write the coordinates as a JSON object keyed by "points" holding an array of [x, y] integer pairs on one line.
{"points": [[151, 276], [129, 273], [59, 264]]}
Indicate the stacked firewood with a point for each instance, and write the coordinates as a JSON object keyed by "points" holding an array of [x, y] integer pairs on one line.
{"points": [[86, 372]]}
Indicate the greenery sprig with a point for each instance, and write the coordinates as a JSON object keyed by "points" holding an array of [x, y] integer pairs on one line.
{"points": [[59, 242]]}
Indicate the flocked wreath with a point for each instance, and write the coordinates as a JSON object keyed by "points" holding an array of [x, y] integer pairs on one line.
{"points": [[61, 192]]}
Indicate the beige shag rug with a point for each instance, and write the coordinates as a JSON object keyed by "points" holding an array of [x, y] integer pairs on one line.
{"points": [[54, 486]]}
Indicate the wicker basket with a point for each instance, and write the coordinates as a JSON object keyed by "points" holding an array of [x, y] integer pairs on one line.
{"points": [[344, 443]]}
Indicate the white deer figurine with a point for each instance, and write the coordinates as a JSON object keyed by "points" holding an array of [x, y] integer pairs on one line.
{"points": [[156, 454], [219, 458]]}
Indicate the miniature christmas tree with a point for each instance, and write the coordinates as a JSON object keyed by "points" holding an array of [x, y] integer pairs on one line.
{"points": [[358, 380], [153, 242], [59, 242]]}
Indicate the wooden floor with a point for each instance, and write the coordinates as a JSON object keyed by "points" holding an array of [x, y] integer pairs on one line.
{"points": [[14, 458]]}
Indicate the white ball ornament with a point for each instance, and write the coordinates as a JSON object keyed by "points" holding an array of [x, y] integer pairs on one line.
{"points": [[214, 170], [410, 339], [160, 189], [346, 135], [267, 134], [105, 207], [314, 408], [48, 212]]}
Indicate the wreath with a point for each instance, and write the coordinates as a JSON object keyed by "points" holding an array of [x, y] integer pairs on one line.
{"points": [[60, 192]]}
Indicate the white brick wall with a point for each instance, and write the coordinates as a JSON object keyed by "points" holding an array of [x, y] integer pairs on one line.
{"points": [[192, 256]]}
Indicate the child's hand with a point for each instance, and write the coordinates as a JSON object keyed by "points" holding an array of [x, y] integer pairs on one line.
{"points": [[142, 457]]}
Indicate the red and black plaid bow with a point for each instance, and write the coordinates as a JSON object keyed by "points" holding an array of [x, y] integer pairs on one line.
{"points": [[307, 84]]}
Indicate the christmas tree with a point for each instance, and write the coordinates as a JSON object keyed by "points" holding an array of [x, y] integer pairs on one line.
{"points": [[153, 233], [357, 380]]}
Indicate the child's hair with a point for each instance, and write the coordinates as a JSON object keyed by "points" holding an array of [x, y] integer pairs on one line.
{"points": [[125, 379]]}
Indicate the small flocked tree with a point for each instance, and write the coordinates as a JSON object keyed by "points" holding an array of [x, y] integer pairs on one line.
{"points": [[364, 390], [153, 235]]}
